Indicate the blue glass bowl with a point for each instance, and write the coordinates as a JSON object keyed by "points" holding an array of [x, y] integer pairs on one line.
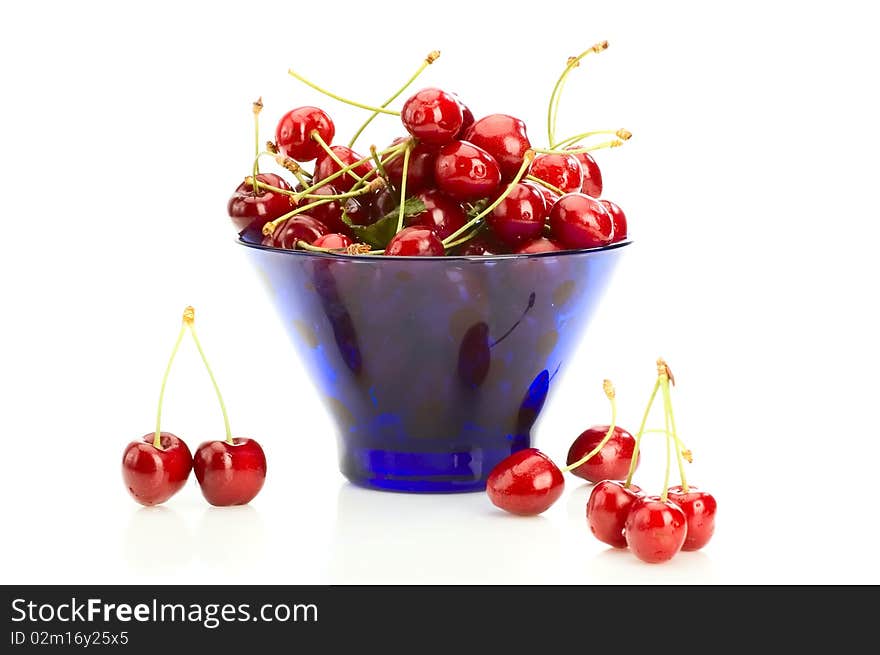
{"points": [[433, 368]]}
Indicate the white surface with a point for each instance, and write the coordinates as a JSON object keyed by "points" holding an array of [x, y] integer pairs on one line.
{"points": [[750, 185]]}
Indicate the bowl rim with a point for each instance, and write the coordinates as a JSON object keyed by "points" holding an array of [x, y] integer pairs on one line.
{"points": [[434, 258]]}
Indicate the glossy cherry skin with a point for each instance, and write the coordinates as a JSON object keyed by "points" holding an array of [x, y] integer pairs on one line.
{"points": [[467, 119], [655, 531], [610, 463], [550, 198], [442, 214], [541, 244], [618, 218], [592, 183], [520, 216], [334, 240], [580, 221], [607, 509], [326, 166], [415, 242], [466, 172], [246, 208], [419, 169], [293, 134], [153, 475], [230, 474], [525, 483], [329, 213], [299, 228], [432, 116], [504, 137], [562, 171], [699, 507], [382, 204]]}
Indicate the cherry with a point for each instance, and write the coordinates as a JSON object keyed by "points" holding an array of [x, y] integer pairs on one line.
{"points": [[432, 116], [655, 529], [358, 212], [592, 184], [465, 171], [580, 221], [467, 119], [383, 204], [618, 218], [415, 242], [293, 135], [326, 165], [230, 473], [541, 244], [612, 462], [328, 213], [153, 474], [485, 243], [525, 483], [519, 217], [333, 241], [299, 228], [419, 170], [607, 510], [441, 214], [252, 210], [550, 197], [562, 171], [504, 137], [699, 508]]}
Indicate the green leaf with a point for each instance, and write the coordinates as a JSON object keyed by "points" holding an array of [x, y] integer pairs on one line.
{"points": [[378, 234]]}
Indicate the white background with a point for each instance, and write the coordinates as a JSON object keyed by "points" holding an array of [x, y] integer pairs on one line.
{"points": [[751, 189]]}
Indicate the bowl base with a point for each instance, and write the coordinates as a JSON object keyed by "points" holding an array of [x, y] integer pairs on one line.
{"points": [[419, 472]]}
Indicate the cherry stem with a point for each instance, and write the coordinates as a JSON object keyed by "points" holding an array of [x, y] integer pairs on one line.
{"points": [[380, 165], [614, 143], [404, 174], [378, 110], [635, 456], [281, 161], [622, 134], [257, 108], [465, 238], [392, 152], [670, 417], [665, 493], [157, 437], [192, 330], [527, 160], [609, 392], [553, 105], [430, 59], [254, 182], [345, 169], [546, 185], [317, 137]]}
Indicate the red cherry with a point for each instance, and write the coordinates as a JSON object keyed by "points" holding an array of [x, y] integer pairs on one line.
{"points": [[609, 505], [655, 530], [249, 210], [562, 171], [293, 135], [334, 240], [592, 184], [541, 244], [482, 244], [610, 463], [230, 473], [441, 214], [415, 242], [699, 507], [550, 198], [465, 171], [525, 483], [617, 217], [580, 221], [330, 213], [504, 137], [419, 170], [383, 204], [152, 475], [326, 166], [519, 217], [432, 115], [467, 119], [299, 228]]}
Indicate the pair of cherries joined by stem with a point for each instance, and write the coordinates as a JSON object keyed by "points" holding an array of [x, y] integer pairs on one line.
{"points": [[452, 186], [619, 514], [229, 472]]}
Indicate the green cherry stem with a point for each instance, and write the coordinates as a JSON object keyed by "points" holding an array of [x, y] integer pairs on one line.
{"points": [[317, 137], [527, 160], [546, 185], [345, 169], [157, 437], [614, 143], [189, 321], [622, 134], [257, 108], [254, 182], [430, 59], [380, 165], [670, 417], [665, 493], [465, 238], [553, 104], [635, 456], [378, 110], [400, 213], [608, 388]]}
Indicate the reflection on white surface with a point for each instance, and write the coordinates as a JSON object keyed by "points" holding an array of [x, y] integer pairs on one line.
{"points": [[157, 541], [231, 538]]}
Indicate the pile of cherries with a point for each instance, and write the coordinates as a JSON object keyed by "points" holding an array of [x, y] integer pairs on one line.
{"points": [[452, 186], [619, 514], [229, 472]]}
